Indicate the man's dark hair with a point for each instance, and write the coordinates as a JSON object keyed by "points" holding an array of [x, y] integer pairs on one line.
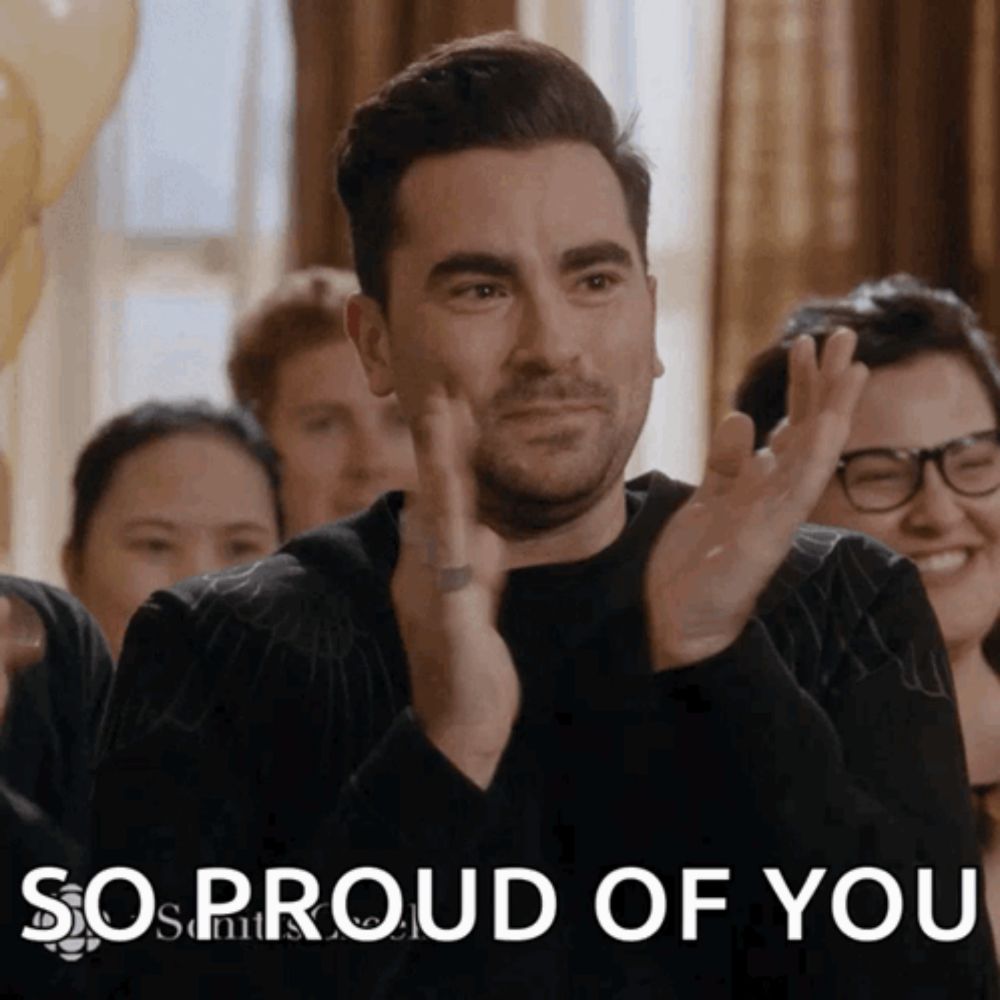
{"points": [[896, 319], [147, 423], [498, 91]]}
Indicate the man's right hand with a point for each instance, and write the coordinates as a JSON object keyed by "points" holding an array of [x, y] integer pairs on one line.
{"points": [[446, 590]]}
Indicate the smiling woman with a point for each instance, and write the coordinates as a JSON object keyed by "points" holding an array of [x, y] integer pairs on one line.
{"points": [[921, 473], [161, 493]]}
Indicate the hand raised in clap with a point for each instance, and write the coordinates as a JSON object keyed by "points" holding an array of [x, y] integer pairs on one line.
{"points": [[716, 555], [445, 591]]}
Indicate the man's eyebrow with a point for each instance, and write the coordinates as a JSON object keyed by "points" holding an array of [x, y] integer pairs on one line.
{"points": [[472, 262], [601, 252]]}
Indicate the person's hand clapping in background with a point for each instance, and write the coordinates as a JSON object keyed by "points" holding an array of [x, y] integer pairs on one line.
{"points": [[22, 642]]}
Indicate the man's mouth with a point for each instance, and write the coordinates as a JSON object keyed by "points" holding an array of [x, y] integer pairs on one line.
{"points": [[549, 410]]}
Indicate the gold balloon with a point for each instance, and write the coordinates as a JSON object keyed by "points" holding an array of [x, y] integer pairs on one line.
{"points": [[73, 56], [19, 158], [20, 289]]}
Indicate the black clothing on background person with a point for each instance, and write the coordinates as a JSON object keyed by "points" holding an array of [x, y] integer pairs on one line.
{"points": [[259, 718], [28, 840], [46, 753], [48, 731]]}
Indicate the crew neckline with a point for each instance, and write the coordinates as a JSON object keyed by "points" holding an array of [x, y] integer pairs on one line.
{"points": [[650, 499], [644, 516]]}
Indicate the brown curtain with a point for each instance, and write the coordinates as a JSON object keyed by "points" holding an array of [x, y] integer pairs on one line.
{"points": [[344, 49], [859, 138]]}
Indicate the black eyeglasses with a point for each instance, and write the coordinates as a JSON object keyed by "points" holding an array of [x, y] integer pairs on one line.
{"points": [[876, 480]]}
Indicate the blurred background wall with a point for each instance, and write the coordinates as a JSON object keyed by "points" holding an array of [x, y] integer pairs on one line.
{"points": [[798, 146], [857, 138]]}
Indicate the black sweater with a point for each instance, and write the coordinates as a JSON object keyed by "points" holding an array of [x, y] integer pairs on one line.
{"points": [[259, 718]]}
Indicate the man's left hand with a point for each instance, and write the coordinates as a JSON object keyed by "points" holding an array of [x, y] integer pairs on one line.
{"points": [[717, 554]]}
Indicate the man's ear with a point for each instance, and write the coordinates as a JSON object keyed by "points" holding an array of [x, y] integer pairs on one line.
{"points": [[366, 326], [658, 368]]}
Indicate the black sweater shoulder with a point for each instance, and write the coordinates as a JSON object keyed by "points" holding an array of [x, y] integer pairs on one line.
{"points": [[46, 747], [47, 734]]}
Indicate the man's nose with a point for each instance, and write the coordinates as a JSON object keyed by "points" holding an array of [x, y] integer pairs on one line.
{"points": [[936, 507], [549, 332]]}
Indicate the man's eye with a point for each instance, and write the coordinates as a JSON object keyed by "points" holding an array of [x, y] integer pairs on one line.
{"points": [[481, 291], [600, 281]]}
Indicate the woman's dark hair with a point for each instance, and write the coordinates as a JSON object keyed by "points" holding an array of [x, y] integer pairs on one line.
{"points": [[895, 318], [498, 91], [154, 421]]}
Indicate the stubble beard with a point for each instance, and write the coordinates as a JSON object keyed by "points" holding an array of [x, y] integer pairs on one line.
{"points": [[530, 485], [523, 499]]}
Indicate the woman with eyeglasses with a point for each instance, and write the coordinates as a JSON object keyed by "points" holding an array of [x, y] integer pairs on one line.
{"points": [[921, 473]]}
